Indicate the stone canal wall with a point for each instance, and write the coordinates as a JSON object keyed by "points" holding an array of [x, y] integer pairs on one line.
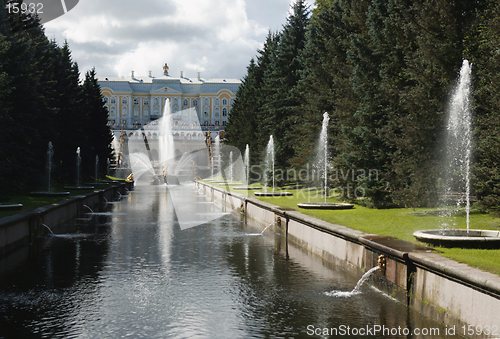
{"points": [[21, 229], [437, 287]]}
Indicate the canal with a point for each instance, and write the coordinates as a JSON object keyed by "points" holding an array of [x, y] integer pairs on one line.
{"points": [[135, 273]]}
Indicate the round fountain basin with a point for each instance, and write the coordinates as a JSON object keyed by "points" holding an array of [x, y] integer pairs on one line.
{"points": [[460, 238], [247, 188], [79, 187], [273, 194], [96, 184], [325, 206], [4, 207], [49, 194]]}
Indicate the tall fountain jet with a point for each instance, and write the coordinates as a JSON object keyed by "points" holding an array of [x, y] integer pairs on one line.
{"points": [[96, 169], [166, 144], [78, 163], [231, 167], [322, 156], [457, 172], [269, 163], [269, 169], [321, 160], [50, 165], [217, 159], [246, 160], [50, 158], [459, 141]]}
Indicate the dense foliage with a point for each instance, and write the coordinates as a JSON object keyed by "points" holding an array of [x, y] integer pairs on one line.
{"points": [[384, 70], [42, 99]]}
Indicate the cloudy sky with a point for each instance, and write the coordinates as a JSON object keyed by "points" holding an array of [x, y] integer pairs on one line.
{"points": [[214, 37]]}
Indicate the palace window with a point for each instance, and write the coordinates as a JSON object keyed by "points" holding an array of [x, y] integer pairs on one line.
{"points": [[136, 101], [224, 102], [185, 102], [224, 112], [224, 123], [146, 102], [195, 103], [113, 100], [124, 101]]}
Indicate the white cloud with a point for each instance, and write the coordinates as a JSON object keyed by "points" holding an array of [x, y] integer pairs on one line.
{"points": [[215, 37]]}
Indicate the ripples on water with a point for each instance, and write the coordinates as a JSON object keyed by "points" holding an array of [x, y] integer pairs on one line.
{"points": [[147, 278]]}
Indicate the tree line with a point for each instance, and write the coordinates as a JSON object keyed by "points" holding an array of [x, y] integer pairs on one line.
{"points": [[383, 70], [42, 99]]}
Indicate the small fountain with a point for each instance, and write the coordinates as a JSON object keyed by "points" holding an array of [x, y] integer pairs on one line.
{"points": [[217, 173], [231, 168], [47, 228], [96, 174], [246, 164], [166, 146], [322, 159], [78, 169], [50, 161], [457, 178], [261, 233], [265, 229], [96, 169], [269, 168], [78, 165], [357, 289], [50, 156]]}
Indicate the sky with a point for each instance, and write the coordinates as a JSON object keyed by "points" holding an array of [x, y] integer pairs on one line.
{"points": [[214, 37]]}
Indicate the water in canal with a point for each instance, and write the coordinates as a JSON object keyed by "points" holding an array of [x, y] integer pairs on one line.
{"points": [[142, 276]]}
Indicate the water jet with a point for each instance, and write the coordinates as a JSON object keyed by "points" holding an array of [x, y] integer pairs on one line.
{"points": [[269, 165], [457, 173], [49, 192], [322, 158]]}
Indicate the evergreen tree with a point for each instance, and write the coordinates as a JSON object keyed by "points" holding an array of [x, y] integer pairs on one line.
{"points": [[72, 121], [29, 68], [241, 128], [265, 121], [284, 102], [98, 133], [41, 101], [7, 168], [482, 49]]}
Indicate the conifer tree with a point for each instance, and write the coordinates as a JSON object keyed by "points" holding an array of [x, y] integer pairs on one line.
{"points": [[482, 43], [98, 134], [241, 127], [281, 79]]}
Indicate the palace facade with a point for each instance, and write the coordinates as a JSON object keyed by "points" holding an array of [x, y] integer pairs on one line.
{"points": [[135, 102]]}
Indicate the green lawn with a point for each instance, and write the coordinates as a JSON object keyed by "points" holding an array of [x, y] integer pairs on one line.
{"points": [[31, 202], [399, 223]]}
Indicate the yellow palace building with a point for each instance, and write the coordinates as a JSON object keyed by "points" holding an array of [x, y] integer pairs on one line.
{"points": [[137, 101]]}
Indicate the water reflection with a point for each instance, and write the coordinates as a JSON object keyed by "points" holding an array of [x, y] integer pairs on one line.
{"points": [[145, 277]]}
